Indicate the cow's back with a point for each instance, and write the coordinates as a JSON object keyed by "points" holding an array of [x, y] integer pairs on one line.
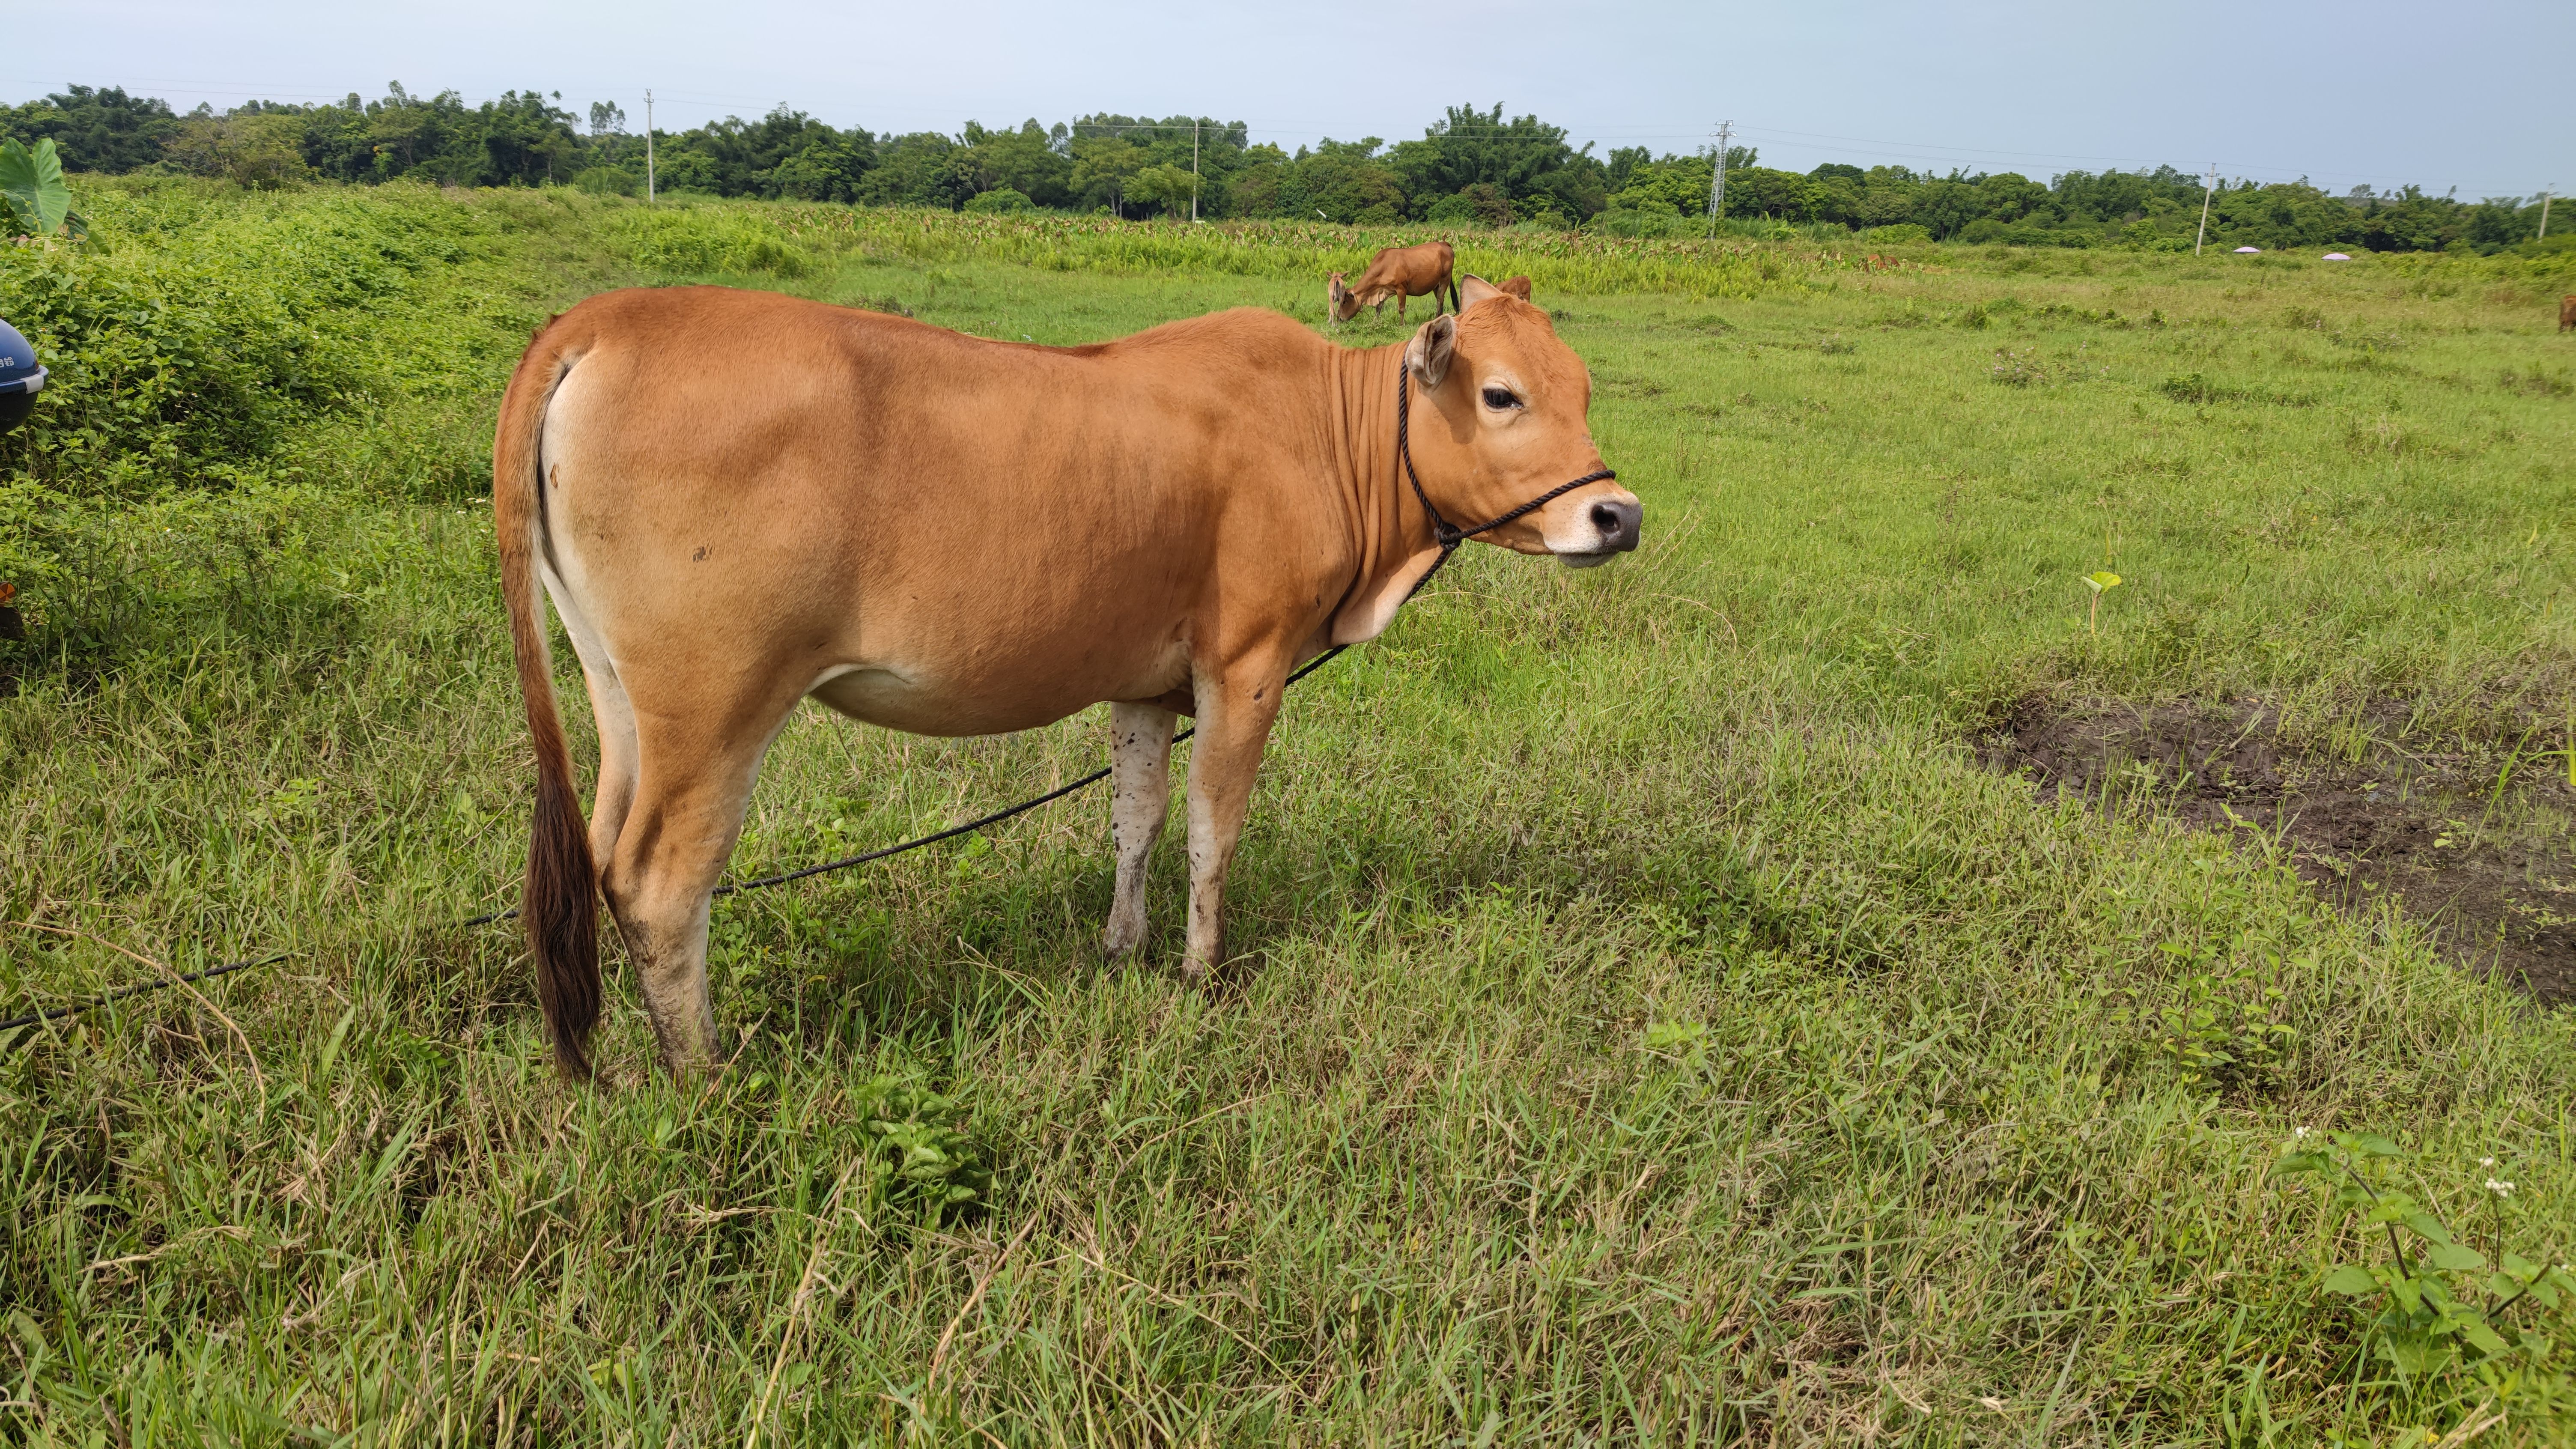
{"points": [[1416, 269]]}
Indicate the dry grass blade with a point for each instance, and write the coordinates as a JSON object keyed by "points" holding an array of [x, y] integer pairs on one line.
{"points": [[796, 1306], [983, 1280]]}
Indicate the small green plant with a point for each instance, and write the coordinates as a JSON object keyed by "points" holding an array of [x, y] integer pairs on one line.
{"points": [[2100, 581], [2445, 1311], [2536, 382], [2019, 369], [34, 200], [1684, 1042], [2193, 387], [927, 1165], [2225, 1032]]}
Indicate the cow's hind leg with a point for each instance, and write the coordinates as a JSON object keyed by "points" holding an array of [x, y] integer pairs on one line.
{"points": [[695, 766], [1140, 757], [614, 714]]}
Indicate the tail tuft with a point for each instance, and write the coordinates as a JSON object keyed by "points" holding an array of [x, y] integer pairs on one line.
{"points": [[560, 906], [559, 902]]}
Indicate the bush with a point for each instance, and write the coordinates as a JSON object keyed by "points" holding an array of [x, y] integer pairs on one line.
{"points": [[1625, 222], [608, 181], [704, 239], [198, 325], [1002, 201], [1900, 234]]}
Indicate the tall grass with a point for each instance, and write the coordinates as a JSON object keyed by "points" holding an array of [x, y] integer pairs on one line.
{"points": [[1650, 1024], [1560, 261]]}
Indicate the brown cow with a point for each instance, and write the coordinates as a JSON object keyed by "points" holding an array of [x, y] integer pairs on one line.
{"points": [[1516, 287], [1397, 272], [737, 500], [2566, 312]]}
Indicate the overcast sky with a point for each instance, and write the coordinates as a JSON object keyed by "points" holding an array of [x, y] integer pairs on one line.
{"points": [[2469, 95]]}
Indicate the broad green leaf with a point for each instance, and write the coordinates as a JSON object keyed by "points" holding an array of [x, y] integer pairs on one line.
{"points": [[2370, 1144], [2486, 1340], [2520, 1267], [2351, 1279], [32, 180], [2454, 1259], [2409, 1359], [2428, 1227], [2102, 579]]}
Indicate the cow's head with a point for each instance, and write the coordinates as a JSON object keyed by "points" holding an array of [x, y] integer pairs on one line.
{"points": [[1340, 301], [1500, 417]]}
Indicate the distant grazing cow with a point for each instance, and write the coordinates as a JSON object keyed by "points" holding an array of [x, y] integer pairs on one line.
{"points": [[1517, 287], [2566, 313], [739, 500], [1397, 272]]}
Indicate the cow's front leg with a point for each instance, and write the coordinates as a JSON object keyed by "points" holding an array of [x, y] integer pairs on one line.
{"points": [[1234, 714], [1140, 760]]}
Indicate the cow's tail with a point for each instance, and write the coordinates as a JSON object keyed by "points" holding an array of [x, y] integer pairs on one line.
{"points": [[558, 903]]}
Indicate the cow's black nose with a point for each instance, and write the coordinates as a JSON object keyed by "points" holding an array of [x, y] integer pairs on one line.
{"points": [[1619, 524]]}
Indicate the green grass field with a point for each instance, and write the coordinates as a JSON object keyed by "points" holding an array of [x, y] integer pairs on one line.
{"points": [[1650, 1022]]}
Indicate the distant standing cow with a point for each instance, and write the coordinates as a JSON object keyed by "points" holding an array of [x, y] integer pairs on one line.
{"points": [[1517, 287], [1397, 272], [2566, 313]]}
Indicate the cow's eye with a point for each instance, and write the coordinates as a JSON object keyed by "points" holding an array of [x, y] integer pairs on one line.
{"points": [[1500, 398]]}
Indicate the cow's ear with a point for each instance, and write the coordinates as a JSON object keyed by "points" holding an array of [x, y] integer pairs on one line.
{"points": [[1429, 352], [1473, 289]]}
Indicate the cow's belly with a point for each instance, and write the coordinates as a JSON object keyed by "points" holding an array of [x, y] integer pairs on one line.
{"points": [[997, 690]]}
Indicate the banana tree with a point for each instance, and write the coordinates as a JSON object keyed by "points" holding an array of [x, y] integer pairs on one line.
{"points": [[33, 199]]}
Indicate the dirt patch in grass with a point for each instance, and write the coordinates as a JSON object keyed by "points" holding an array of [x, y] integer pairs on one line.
{"points": [[2491, 867]]}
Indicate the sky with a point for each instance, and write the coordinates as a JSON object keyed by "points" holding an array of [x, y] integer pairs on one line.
{"points": [[2466, 95]]}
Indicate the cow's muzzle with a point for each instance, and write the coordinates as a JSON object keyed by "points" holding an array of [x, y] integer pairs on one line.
{"points": [[1613, 526]]}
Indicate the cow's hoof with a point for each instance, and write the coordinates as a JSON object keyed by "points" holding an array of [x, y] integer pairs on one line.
{"points": [[1125, 932], [1194, 973]]}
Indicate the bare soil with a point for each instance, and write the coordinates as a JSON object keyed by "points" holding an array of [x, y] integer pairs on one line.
{"points": [[2491, 868]]}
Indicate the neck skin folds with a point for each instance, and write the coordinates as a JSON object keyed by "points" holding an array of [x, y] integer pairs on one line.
{"points": [[1390, 534]]}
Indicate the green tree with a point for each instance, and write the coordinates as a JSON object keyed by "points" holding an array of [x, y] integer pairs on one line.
{"points": [[1031, 160], [1166, 185], [1524, 158], [95, 129], [1102, 168], [265, 151], [822, 170], [923, 168]]}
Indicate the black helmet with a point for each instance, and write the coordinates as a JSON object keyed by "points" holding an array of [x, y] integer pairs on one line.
{"points": [[20, 378]]}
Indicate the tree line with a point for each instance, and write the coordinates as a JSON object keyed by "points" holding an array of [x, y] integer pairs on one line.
{"points": [[1470, 167]]}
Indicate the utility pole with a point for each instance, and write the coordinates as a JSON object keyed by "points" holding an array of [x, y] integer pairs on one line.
{"points": [[1717, 176], [1194, 173], [2206, 192], [648, 143], [2544, 212]]}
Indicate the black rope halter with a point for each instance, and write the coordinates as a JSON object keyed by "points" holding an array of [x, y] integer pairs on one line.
{"points": [[1444, 533]]}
